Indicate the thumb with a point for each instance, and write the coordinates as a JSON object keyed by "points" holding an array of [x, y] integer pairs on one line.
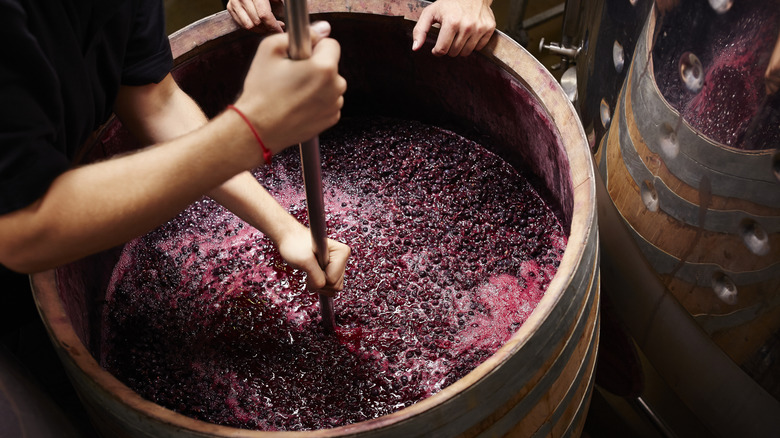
{"points": [[315, 277], [319, 30], [276, 44]]}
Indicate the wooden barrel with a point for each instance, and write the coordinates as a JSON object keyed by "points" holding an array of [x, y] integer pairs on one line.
{"points": [[539, 383], [705, 215]]}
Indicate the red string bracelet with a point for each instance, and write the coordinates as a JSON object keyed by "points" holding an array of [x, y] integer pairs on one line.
{"points": [[266, 153]]}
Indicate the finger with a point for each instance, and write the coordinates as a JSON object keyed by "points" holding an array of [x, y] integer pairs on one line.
{"points": [[266, 20], [253, 10], [327, 52], [444, 43], [276, 44], [319, 30], [459, 42], [420, 31], [334, 272], [240, 16], [333, 287], [315, 277], [469, 46], [338, 285], [269, 25], [484, 40]]}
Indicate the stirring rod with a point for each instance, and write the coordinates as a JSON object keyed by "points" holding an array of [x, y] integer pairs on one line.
{"points": [[300, 48]]}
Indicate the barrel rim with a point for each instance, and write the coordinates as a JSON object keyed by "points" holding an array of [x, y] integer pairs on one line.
{"points": [[523, 67]]}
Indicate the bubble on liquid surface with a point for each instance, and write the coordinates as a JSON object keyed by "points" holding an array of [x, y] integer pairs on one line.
{"points": [[205, 318], [721, 6], [691, 72], [618, 56]]}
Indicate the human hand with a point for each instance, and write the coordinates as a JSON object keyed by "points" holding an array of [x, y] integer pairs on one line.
{"points": [[290, 101], [297, 250], [257, 15], [466, 25]]}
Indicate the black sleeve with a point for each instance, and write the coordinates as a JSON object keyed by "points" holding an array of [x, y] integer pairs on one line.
{"points": [[148, 58], [29, 161]]}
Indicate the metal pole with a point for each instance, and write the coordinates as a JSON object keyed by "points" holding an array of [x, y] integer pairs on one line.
{"points": [[300, 48]]}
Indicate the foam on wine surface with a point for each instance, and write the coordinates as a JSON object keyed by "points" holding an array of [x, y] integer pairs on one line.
{"points": [[452, 251]]}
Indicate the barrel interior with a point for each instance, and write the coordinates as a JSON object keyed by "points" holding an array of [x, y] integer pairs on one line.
{"points": [[477, 97], [473, 96]]}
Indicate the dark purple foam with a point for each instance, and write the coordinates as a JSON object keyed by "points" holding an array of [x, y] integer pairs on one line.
{"points": [[452, 250]]}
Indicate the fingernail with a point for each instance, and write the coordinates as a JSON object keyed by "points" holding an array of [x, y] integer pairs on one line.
{"points": [[415, 45], [321, 27]]}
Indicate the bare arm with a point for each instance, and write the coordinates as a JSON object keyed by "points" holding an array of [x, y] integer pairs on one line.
{"points": [[161, 112], [466, 25], [98, 206], [250, 201]]}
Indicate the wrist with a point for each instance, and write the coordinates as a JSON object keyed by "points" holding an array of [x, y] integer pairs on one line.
{"points": [[287, 227], [267, 155]]}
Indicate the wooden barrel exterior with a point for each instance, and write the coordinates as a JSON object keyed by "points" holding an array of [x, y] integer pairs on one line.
{"points": [[706, 216], [540, 382], [25, 408]]}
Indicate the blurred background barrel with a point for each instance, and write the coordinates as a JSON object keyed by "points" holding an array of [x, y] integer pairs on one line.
{"points": [[690, 167], [706, 215]]}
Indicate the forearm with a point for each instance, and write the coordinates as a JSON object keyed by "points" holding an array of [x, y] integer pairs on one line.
{"points": [[249, 200], [158, 113], [169, 113], [242, 194], [98, 206]]}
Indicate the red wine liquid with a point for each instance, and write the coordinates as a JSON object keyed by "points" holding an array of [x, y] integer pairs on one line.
{"points": [[452, 250]]}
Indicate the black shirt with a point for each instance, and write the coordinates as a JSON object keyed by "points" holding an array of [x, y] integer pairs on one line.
{"points": [[61, 65]]}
